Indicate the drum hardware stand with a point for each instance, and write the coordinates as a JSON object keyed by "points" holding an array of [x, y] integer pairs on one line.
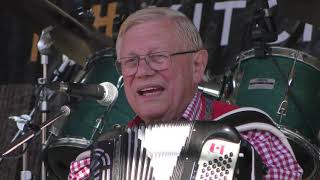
{"points": [[44, 46]]}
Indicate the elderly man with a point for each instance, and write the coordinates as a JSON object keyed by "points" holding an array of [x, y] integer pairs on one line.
{"points": [[162, 59]]}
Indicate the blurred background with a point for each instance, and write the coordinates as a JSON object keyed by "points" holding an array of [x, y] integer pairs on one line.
{"points": [[78, 36]]}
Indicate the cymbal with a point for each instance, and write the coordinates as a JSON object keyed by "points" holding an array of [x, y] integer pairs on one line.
{"points": [[71, 37], [307, 10]]}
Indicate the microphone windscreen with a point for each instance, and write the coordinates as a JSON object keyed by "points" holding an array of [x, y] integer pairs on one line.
{"points": [[110, 95]]}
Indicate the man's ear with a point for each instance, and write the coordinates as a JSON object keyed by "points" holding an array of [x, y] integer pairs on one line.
{"points": [[200, 60]]}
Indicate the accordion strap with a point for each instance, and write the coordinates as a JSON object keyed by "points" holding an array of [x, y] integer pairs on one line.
{"points": [[209, 108]]}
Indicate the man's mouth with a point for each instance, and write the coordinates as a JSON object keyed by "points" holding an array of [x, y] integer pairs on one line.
{"points": [[151, 91]]}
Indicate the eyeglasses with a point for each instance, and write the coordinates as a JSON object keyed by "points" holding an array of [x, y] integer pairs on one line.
{"points": [[157, 61]]}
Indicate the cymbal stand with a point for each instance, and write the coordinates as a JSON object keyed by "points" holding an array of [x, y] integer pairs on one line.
{"points": [[263, 29], [23, 121], [44, 46]]}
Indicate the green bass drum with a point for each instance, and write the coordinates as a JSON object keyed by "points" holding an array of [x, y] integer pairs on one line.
{"points": [[285, 84]]}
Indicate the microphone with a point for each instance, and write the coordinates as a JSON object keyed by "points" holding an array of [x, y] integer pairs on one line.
{"points": [[105, 93], [212, 88]]}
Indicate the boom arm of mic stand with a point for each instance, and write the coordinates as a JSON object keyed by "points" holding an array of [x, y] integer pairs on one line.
{"points": [[65, 111]]}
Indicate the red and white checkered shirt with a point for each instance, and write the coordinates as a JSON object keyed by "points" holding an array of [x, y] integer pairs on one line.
{"points": [[281, 164]]}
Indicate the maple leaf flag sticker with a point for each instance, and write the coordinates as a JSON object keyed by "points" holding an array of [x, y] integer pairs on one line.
{"points": [[217, 148]]}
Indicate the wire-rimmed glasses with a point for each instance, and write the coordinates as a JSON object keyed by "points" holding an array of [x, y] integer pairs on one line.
{"points": [[158, 61]]}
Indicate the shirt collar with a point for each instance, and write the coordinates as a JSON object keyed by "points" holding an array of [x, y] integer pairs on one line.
{"points": [[194, 108], [191, 113]]}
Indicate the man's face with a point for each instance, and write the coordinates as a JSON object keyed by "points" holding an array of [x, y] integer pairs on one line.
{"points": [[158, 95]]}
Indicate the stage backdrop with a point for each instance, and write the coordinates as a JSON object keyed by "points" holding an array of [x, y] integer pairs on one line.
{"points": [[224, 27]]}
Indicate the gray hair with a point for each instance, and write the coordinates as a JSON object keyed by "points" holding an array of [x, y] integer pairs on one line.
{"points": [[185, 29]]}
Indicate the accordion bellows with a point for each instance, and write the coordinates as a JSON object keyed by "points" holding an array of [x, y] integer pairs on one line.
{"points": [[170, 151]]}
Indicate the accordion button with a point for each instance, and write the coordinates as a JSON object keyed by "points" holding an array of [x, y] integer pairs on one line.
{"points": [[219, 164], [218, 170], [210, 162], [215, 160], [226, 156], [224, 162], [208, 168], [229, 160], [204, 164], [228, 166], [223, 168], [227, 171], [231, 154], [220, 158]]}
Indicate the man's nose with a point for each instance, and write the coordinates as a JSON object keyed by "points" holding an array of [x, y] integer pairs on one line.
{"points": [[144, 68]]}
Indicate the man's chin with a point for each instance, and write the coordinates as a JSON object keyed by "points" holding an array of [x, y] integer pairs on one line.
{"points": [[151, 117]]}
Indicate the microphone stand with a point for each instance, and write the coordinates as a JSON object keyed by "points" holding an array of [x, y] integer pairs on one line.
{"points": [[36, 130], [22, 124]]}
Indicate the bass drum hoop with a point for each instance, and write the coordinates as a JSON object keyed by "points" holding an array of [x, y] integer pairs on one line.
{"points": [[311, 149], [61, 146], [70, 141], [283, 52]]}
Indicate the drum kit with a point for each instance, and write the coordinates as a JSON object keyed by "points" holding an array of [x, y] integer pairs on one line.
{"points": [[283, 82]]}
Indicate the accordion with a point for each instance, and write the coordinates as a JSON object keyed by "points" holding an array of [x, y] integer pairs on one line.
{"points": [[203, 150]]}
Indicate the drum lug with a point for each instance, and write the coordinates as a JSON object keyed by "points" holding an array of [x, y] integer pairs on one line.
{"points": [[282, 110], [228, 87], [99, 125], [232, 84]]}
